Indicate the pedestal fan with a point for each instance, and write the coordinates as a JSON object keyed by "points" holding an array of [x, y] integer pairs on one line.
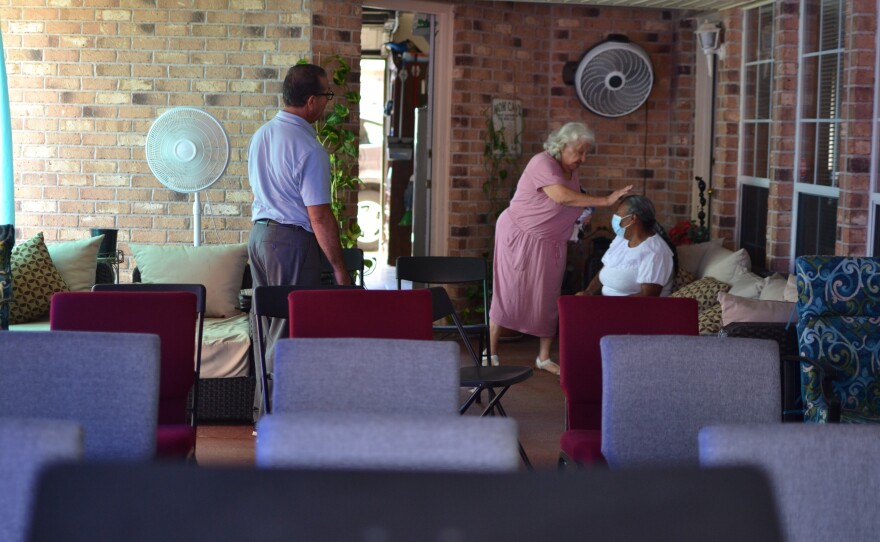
{"points": [[188, 150]]}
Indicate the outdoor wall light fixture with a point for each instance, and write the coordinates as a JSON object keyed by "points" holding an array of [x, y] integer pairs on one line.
{"points": [[709, 35]]}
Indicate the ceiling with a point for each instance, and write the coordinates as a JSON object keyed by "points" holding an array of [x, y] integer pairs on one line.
{"points": [[698, 5]]}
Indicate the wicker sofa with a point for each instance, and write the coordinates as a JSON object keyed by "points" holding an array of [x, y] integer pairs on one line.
{"points": [[227, 382], [226, 387], [728, 291]]}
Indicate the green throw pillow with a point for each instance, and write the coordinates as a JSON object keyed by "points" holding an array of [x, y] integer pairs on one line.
{"points": [[34, 280]]}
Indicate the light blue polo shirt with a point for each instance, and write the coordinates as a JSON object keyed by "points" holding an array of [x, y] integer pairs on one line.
{"points": [[288, 170]]}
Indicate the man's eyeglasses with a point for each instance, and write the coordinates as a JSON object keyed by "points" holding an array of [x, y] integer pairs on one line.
{"points": [[328, 95]]}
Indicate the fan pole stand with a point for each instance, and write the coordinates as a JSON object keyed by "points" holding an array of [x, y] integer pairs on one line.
{"points": [[197, 221]]}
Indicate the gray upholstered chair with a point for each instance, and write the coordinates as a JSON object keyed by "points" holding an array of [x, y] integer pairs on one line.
{"points": [[367, 376], [386, 441], [823, 476], [658, 391], [26, 447], [106, 382]]}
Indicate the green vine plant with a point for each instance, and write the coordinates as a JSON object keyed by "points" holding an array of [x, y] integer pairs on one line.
{"points": [[342, 147], [502, 164]]}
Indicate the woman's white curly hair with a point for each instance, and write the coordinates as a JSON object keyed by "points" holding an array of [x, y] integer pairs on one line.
{"points": [[569, 133]]}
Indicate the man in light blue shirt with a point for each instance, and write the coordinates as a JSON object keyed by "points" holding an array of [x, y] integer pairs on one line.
{"points": [[289, 173]]}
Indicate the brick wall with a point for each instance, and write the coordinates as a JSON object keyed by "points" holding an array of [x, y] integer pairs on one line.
{"points": [[779, 223], [857, 106], [855, 131], [517, 50], [727, 117], [87, 82]]}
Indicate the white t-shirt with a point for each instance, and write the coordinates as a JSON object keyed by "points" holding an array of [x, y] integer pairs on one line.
{"points": [[625, 269]]}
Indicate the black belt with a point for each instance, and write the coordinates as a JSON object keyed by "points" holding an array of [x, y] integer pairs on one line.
{"points": [[270, 222]]}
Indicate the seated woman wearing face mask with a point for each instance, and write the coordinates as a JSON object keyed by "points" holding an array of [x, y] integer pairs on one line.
{"points": [[641, 260]]}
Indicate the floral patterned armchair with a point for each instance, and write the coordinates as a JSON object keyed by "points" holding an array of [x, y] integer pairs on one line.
{"points": [[839, 331]]}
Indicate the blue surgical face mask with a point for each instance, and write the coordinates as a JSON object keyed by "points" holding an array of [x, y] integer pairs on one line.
{"points": [[615, 224]]}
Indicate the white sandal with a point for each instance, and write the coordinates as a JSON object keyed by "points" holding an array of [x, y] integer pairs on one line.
{"points": [[494, 360], [547, 364]]}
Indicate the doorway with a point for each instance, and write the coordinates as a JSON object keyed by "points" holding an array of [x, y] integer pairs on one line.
{"points": [[403, 201]]}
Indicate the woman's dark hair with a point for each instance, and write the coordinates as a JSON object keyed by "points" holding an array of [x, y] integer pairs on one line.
{"points": [[643, 209], [302, 81]]}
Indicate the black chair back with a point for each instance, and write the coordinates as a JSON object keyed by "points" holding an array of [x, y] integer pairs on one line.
{"points": [[271, 302], [148, 502], [353, 258]]}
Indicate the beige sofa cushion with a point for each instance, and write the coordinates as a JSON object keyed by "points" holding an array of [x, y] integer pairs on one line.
{"points": [[740, 309], [77, 261], [790, 292], [690, 257], [226, 343], [774, 288], [724, 264], [747, 284], [218, 267]]}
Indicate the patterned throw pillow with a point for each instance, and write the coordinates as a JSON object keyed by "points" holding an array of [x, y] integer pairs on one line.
{"points": [[705, 291], [34, 280], [682, 278], [710, 320]]}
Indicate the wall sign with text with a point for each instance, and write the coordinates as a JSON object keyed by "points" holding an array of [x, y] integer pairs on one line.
{"points": [[507, 120]]}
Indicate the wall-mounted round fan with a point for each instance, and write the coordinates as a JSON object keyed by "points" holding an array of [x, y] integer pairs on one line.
{"points": [[188, 151], [614, 78]]}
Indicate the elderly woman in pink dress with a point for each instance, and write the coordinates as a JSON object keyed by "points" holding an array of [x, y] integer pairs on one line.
{"points": [[531, 236]]}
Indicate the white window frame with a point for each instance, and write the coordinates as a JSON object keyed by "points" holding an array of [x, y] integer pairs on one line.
{"points": [[799, 187], [742, 180]]}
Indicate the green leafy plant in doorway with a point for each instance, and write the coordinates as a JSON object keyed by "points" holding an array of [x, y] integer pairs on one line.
{"points": [[341, 142]]}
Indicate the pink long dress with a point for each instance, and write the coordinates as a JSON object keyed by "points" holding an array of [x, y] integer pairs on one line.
{"points": [[530, 250]]}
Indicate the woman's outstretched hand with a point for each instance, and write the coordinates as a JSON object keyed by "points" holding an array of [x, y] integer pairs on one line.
{"points": [[617, 194]]}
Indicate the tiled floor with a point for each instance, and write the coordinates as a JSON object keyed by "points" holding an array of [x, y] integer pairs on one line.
{"points": [[536, 404]]}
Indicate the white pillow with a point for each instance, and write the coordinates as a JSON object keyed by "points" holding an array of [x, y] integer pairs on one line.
{"points": [[218, 267], [748, 285], [691, 256], [774, 288], [724, 264], [77, 261]]}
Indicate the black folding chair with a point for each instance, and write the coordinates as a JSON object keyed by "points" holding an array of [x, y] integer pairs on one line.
{"points": [[436, 270], [271, 302], [353, 258], [479, 378], [201, 295]]}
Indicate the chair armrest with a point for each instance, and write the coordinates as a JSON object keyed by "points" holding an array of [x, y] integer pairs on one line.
{"points": [[826, 376]]}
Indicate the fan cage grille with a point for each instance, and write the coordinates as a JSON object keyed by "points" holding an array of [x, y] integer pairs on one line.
{"points": [[187, 149], [614, 79]]}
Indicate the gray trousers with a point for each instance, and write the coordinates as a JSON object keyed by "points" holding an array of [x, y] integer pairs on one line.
{"points": [[280, 255]]}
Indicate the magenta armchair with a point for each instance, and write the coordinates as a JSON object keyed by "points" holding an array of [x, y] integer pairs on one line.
{"points": [[170, 315], [583, 320]]}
